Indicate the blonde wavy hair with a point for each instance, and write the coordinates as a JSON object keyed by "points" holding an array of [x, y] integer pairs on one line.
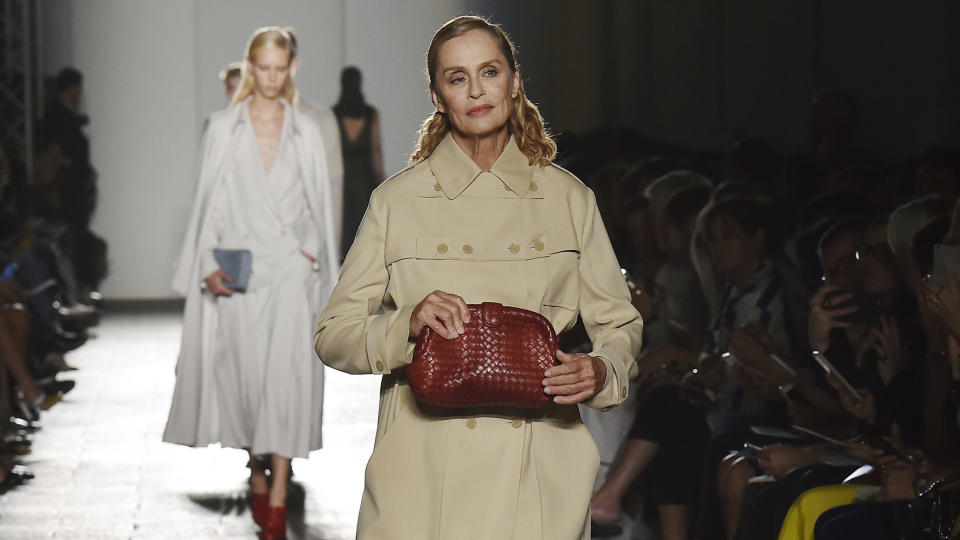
{"points": [[525, 123], [268, 36]]}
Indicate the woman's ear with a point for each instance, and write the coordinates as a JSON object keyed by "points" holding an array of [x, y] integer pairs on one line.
{"points": [[437, 102], [515, 85], [294, 67]]}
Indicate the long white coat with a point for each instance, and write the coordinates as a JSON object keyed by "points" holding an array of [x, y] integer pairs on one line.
{"points": [[194, 418]]}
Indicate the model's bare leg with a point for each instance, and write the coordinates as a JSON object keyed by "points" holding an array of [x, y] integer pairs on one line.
{"points": [[258, 475], [673, 521], [281, 479], [13, 351], [636, 455]]}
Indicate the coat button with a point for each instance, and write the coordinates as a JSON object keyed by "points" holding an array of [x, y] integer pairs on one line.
{"points": [[538, 245], [379, 365], [441, 248], [472, 423], [516, 424], [533, 186], [514, 248], [623, 393], [436, 187], [468, 249]]}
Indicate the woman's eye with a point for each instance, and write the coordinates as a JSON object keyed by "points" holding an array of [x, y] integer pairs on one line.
{"points": [[457, 80], [490, 72]]}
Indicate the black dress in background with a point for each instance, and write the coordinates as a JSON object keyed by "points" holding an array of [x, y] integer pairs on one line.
{"points": [[359, 176]]}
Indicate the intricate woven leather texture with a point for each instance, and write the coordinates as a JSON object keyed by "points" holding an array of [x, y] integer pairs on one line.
{"points": [[498, 361]]}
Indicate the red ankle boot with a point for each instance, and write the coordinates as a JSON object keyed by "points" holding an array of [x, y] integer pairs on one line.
{"points": [[258, 507], [275, 525]]}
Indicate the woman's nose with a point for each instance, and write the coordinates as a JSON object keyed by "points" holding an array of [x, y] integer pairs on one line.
{"points": [[476, 89]]}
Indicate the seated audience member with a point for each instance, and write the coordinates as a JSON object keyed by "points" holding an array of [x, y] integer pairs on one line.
{"points": [[881, 347], [230, 77], [670, 432]]}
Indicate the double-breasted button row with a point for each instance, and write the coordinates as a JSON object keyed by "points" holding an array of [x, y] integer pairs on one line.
{"points": [[533, 187], [515, 424], [443, 248]]}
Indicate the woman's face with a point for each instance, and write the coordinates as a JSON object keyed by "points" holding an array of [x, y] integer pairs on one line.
{"points": [[641, 237], [676, 240], [270, 68], [733, 250], [880, 273], [473, 84], [840, 261]]}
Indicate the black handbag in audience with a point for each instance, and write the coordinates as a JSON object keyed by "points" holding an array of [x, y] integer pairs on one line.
{"points": [[935, 510]]}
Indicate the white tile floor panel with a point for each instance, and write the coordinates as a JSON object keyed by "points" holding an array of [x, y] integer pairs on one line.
{"points": [[102, 472]]}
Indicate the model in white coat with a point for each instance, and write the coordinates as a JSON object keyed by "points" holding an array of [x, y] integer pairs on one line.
{"points": [[248, 376]]}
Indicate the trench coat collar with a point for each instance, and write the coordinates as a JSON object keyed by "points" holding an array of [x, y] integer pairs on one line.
{"points": [[455, 171]]}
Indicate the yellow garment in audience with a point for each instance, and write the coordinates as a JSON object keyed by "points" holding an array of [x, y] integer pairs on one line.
{"points": [[803, 514]]}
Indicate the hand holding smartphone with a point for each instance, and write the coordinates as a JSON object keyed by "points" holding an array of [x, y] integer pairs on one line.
{"points": [[831, 370]]}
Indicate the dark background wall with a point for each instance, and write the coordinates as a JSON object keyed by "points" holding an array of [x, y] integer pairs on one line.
{"points": [[699, 72]]}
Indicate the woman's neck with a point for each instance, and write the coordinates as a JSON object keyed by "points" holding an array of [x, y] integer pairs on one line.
{"points": [[264, 107], [484, 150]]}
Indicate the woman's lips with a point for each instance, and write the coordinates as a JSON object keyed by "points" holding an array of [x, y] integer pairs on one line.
{"points": [[479, 110]]}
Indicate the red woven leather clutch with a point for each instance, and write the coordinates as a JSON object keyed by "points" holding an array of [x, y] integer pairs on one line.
{"points": [[498, 361]]}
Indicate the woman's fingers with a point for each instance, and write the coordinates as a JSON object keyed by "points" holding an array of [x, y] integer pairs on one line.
{"points": [[449, 316], [575, 380], [460, 303], [440, 320], [575, 398], [215, 284], [442, 312], [836, 313], [569, 389]]}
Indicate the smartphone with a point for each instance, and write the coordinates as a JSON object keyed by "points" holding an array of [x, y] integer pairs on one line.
{"points": [[779, 362], [829, 368], [750, 451], [883, 443], [946, 261], [868, 310], [818, 435]]}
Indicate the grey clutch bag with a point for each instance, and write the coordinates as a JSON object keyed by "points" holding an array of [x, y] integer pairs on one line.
{"points": [[237, 263]]}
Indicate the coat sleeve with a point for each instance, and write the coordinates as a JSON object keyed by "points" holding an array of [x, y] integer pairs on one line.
{"points": [[192, 260], [613, 324], [330, 129], [361, 330]]}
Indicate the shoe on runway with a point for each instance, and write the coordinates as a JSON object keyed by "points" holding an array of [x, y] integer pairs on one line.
{"points": [[275, 525], [259, 503]]}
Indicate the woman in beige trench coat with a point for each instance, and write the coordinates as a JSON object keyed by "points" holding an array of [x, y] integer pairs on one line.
{"points": [[480, 215]]}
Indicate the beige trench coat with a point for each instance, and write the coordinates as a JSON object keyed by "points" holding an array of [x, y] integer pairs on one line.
{"points": [[520, 235]]}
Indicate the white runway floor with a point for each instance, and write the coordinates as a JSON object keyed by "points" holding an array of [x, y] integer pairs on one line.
{"points": [[102, 472]]}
